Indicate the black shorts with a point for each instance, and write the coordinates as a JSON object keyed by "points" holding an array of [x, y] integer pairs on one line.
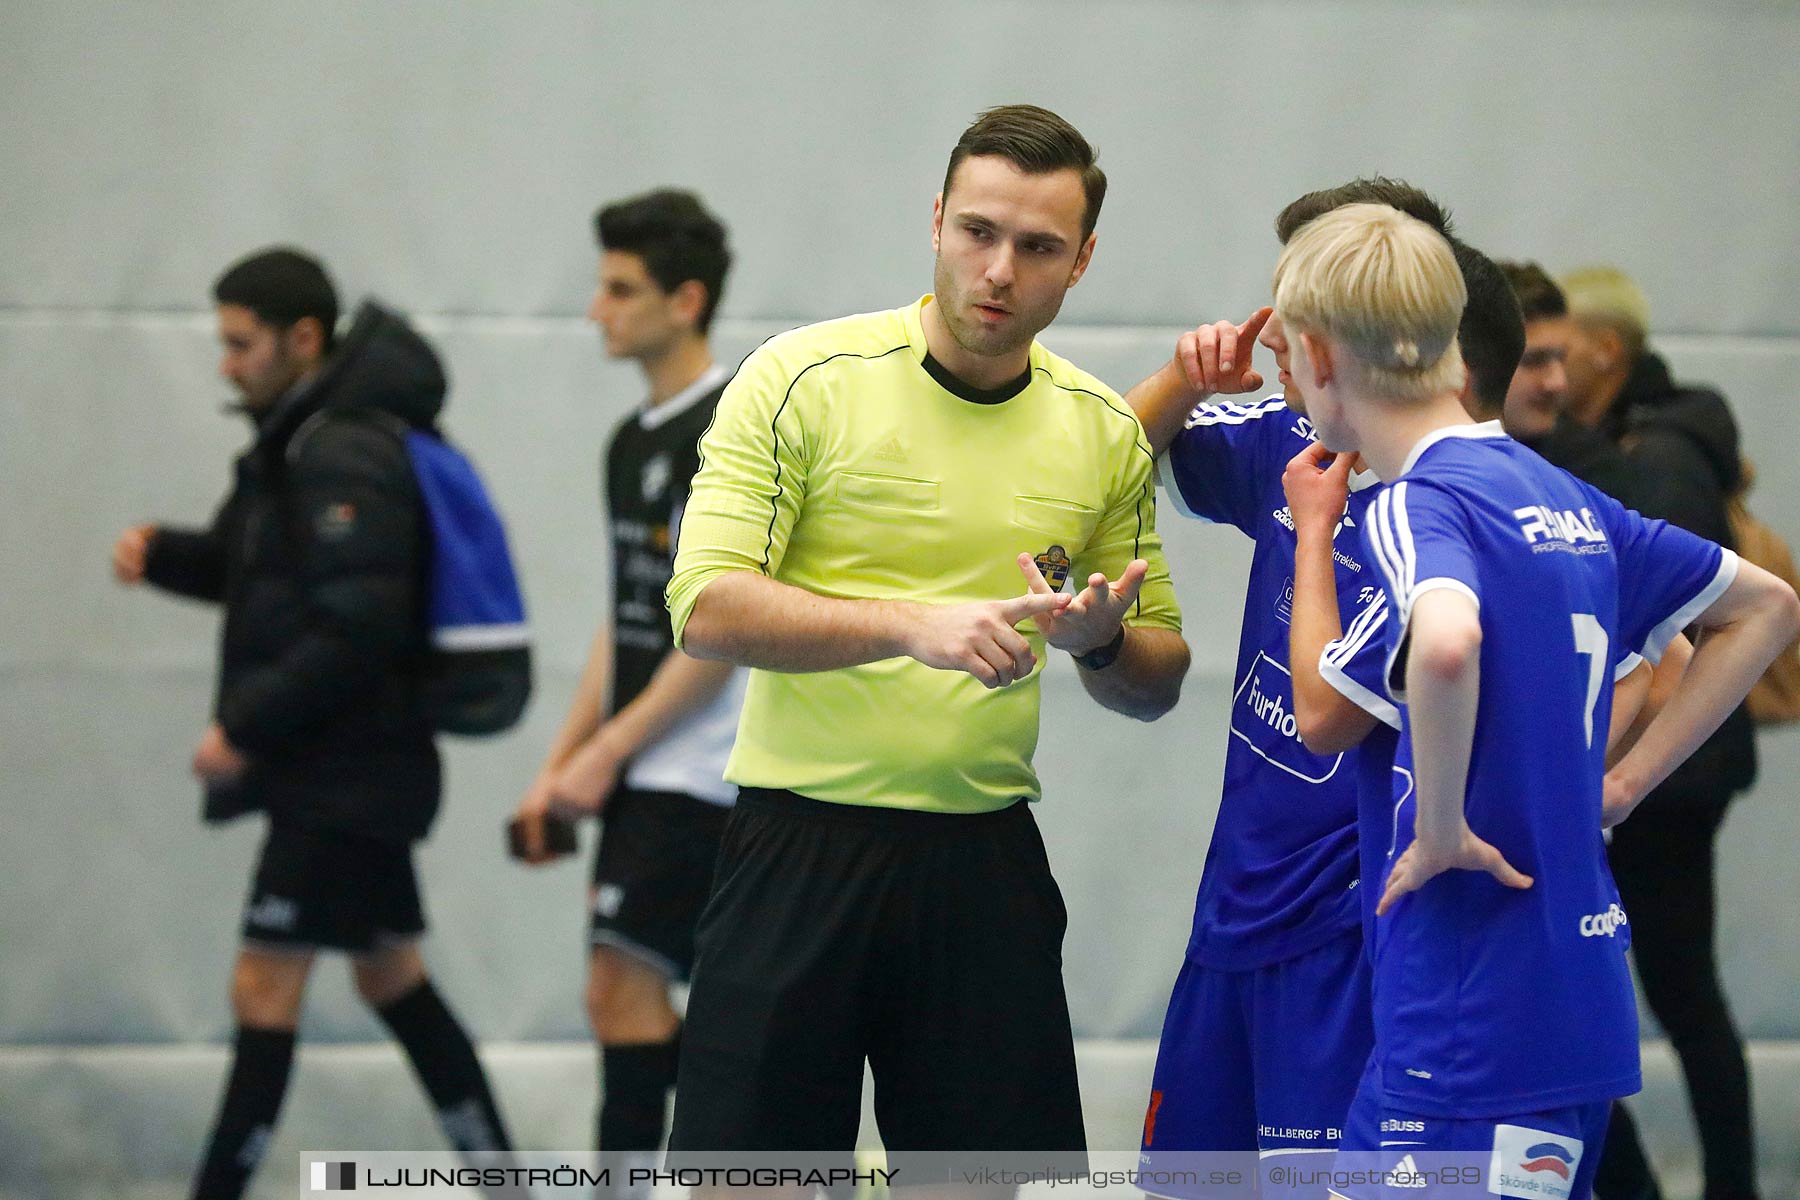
{"points": [[928, 943], [322, 889], [652, 874]]}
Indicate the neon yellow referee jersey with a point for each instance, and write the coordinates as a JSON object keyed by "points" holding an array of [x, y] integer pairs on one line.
{"points": [[843, 460]]}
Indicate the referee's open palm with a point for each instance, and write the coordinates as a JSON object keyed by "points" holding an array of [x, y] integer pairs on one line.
{"points": [[1093, 617]]}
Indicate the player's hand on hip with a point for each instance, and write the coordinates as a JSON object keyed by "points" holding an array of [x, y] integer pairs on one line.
{"points": [[131, 552], [583, 784], [1316, 496], [1094, 614], [981, 638], [1420, 863], [1215, 358]]}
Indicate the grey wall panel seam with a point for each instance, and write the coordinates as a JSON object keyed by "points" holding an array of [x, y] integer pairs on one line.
{"points": [[727, 327]]}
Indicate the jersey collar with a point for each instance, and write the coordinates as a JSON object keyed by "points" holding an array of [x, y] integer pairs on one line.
{"points": [[1486, 429], [651, 416], [913, 315]]}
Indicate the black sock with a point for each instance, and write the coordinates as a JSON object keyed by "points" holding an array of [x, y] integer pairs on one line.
{"points": [[260, 1065], [444, 1059], [634, 1095], [1624, 1171]]}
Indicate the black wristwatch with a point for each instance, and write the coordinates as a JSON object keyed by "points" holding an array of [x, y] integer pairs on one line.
{"points": [[1102, 658]]}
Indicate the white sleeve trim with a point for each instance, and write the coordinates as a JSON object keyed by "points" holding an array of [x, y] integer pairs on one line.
{"points": [[1434, 584], [1345, 648], [1627, 665], [1382, 710], [1397, 686], [1663, 634], [481, 637], [1165, 479]]}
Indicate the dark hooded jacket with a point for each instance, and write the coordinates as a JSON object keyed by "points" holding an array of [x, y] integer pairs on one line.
{"points": [[1590, 456], [1682, 446], [319, 558]]}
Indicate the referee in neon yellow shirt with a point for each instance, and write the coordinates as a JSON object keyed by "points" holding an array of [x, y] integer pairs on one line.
{"points": [[886, 512]]}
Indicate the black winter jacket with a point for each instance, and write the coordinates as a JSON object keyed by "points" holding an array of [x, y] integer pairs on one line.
{"points": [[1682, 445], [319, 558]]}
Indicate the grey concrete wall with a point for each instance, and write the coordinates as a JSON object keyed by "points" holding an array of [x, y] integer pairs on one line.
{"points": [[448, 156]]}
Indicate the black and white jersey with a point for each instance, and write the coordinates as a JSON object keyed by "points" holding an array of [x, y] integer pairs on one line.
{"points": [[650, 464]]}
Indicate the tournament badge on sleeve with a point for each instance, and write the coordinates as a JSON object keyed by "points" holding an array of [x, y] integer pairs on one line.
{"points": [[1054, 566]]}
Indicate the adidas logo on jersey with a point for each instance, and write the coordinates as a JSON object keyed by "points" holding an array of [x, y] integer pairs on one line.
{"points": [[1405, 1174], [1604, 924], [1541, 524], [891, 451], [1285, 516]]}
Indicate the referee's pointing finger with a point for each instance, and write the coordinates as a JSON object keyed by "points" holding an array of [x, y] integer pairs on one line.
{"points": [[1031, 604]]}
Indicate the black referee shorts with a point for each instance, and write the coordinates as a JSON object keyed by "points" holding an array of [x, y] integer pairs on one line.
{"points": [[928, 943]]}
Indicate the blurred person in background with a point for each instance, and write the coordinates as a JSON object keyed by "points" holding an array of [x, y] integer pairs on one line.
{"points": [[1679, 447], [317, 556], [1536, 404], [649, 729]]}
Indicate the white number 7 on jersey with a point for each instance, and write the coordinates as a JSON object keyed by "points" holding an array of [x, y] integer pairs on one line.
{"points": [[1591, 640]]}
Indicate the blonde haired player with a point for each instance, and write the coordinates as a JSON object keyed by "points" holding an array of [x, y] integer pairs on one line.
{"points": [[1504, 1017]]}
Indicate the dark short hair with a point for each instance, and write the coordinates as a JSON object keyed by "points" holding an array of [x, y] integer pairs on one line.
{"points": [[1376, 189], [1492, 333], [281, 285], [1537, 292], [675, 235], [1036, 141]]}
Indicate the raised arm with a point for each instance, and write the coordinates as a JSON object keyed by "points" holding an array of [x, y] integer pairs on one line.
{"points": [[1213, 360], [1329, 721]]}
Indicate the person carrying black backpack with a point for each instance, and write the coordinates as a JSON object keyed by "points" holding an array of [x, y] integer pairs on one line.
{"points": [[320, 556]]}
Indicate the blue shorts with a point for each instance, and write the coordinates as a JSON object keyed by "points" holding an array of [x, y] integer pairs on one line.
{"points": [[1262, 1060], [1548, 1155]]}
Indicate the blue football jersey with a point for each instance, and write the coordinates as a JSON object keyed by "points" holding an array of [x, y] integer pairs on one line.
{"points": [[1281, 873], [1356, 665], [1491, 1000]]}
